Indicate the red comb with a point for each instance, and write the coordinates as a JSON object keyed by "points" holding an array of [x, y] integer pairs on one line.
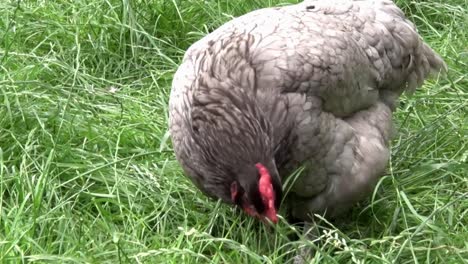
{"points": [[265, 188]]}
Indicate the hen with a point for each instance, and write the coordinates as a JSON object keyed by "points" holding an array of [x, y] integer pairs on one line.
{"points": [[312, 84]]}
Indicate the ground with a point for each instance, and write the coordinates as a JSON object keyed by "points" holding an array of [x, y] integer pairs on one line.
{"points": [[87, 171]]}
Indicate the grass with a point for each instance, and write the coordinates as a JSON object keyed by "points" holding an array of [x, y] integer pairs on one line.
{"points": [[87, 172]]}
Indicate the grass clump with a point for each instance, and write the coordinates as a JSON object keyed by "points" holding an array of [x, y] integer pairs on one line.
{"points": [[87, 173]]}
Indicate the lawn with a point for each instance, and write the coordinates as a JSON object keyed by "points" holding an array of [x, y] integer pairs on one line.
{"points": [[87, 171]]}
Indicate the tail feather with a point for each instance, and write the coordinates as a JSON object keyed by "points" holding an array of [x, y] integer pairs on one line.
{"points": [[412, 60], [427, 63]]}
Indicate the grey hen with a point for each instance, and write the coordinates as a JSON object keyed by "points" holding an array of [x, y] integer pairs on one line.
{"points": [[312, 84]]}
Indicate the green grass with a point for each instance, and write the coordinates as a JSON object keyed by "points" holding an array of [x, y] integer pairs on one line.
{"points": [[87, 172]]}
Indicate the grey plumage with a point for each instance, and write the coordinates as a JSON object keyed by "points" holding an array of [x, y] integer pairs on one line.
{"points": [[311, 84]]}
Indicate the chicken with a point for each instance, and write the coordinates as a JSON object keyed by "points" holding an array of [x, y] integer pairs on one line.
{"points": [[312, 84]]}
